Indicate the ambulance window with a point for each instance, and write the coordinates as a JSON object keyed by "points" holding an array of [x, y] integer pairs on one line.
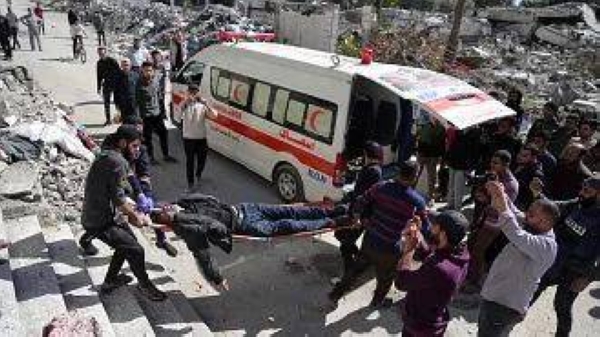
{"points": [[260, 101], [295, 112], [319, 121], [214, 78], [280, 105], [192, 73], [240, 90], [223, 85]]}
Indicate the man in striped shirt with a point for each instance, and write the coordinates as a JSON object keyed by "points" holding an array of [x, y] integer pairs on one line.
{"points": [[385, 209]]}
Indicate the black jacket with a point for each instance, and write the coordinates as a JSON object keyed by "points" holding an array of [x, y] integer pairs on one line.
{"points": [[107, 71], [205, 220]]}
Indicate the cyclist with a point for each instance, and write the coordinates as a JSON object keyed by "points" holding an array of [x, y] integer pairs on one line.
{"points": [[77, 34]]}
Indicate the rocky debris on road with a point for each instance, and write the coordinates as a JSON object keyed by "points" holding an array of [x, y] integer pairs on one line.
{"points": [[44, 155]]}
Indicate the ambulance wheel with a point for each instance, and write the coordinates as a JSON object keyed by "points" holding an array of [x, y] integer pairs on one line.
{"points": [[288, 183]]}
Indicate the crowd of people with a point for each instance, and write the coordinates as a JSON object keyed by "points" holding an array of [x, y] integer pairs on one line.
{"points": [[525, 233], [533, 181]]}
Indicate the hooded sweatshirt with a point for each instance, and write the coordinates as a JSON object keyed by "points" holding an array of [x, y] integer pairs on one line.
{"points": [[431, 288]]}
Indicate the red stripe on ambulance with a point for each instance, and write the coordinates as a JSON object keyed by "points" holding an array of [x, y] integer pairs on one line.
{"points": [[276, 144]]}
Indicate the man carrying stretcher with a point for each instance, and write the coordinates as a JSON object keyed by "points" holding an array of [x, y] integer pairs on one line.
{"points": [[202, 219]]}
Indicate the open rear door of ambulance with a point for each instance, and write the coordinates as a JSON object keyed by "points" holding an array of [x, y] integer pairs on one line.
{"points": [[450, 100]]}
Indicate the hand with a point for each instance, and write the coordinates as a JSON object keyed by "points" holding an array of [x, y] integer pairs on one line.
{"points": [[413, 226], [144, 204], [499, 199], [536, 186], [223, 286], [579, 284]]}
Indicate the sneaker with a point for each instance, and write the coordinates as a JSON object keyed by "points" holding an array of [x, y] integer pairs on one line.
{"points": [[169, 248], [88, 248], [170, 159], [119, 281], [154, 294]]}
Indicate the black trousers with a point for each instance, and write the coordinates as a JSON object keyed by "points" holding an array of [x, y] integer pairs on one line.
{"points": [[563, 301], [76, 39], [101, 38], [6, 47], [195, 158], [156, 124], [127, 248], [496, 320], [14, 33], [107, 92]]}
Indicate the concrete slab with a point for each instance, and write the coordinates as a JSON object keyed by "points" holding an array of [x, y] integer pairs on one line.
{"points": [[10, 324], [36, 285], [74, 281], [18, 179], [123, 310]]}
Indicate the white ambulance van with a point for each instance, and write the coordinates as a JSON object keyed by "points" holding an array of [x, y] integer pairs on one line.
{"points": [[296, 116]]}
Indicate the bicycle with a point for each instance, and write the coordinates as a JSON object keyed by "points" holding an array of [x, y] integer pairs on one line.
{"points": [[80, 51]]}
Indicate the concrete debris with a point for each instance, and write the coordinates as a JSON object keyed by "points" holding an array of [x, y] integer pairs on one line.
{"points": [[18, 179], [44, 155]]}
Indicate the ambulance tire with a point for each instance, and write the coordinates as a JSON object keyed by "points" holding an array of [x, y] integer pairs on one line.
{"points": [[288, 183]]}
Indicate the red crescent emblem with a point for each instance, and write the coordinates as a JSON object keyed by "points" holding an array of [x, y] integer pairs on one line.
{"points": [[312, 119], [236, 93]]}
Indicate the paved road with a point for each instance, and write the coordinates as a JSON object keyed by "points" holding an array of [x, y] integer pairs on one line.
{"points": [[279, 288]]}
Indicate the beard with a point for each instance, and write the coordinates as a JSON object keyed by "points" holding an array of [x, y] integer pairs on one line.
{"points": [[587, 202]]}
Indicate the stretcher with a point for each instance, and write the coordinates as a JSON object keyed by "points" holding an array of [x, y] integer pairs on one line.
{"points": [[239, 237]]}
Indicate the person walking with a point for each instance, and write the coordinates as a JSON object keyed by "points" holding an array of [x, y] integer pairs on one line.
{"points": [[125, 86], [178, 51], [99, 26], [107, 70], [192, 117], [104, 198], [431, 142], [5, 37], [38, 11], [148, 104], [531, 250], [29, 20], [13, 23], [138, 54], [160, 71]]}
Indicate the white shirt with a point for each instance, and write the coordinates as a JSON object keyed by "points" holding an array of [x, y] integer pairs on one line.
{"points": [[138, 57], [193, 118], [77, 30]]}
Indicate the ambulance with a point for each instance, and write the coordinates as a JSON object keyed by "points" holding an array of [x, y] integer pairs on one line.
{"points": [[297, 116]]}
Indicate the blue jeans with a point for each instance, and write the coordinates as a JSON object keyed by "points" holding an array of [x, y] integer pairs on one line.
{"points": [[272, 220]]}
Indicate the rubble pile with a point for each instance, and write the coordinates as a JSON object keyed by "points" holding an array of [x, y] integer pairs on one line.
{"points": [[44, 155], [407, 47], [558, 60], [154, 22]]}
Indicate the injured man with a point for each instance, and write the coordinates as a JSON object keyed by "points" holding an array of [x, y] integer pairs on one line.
{"points": [[201, 219]]}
